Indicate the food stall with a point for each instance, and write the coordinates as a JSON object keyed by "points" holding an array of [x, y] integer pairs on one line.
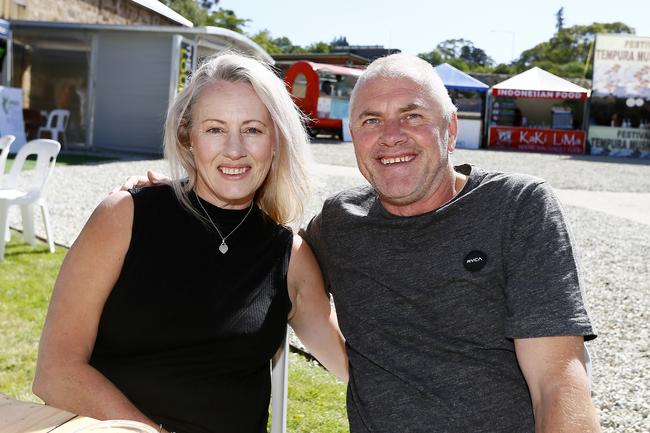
{"points": [[537, 111], [468, 94], [619, 124], [322, 91]]}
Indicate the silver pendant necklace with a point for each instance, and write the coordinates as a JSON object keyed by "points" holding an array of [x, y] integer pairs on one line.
{"points": [[223, 248]]}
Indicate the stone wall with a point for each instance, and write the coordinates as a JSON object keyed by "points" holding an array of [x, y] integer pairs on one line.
{"points": [[82, 11]]}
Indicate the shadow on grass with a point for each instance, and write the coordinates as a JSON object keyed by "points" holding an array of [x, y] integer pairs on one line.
{"points": [[24, 250]]}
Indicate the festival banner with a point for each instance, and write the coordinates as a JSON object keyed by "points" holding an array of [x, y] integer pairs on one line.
{"points": [[621, 66], [537, 140], [606, 140]]}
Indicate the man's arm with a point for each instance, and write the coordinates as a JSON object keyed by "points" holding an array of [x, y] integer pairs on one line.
{"points": [[559, 387]]}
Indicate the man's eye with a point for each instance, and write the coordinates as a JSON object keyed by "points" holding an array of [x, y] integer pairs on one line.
{"points": [[371, 121], [413, 116]]}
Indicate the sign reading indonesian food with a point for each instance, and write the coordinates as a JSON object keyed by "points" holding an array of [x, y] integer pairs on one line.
{"points": [[541, 94], [622, 66]]}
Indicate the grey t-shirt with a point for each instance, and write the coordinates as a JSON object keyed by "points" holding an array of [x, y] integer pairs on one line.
{"points": [[430, 304]]}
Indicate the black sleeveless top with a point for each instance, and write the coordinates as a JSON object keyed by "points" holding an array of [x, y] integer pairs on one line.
{"points": [[187, 332]]}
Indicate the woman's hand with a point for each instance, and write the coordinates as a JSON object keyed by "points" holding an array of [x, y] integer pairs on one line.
{"points": [[151, 179]]}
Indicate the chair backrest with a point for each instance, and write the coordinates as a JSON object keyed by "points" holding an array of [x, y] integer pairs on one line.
{"points": [[58, 119], [46, 151], [279, 385], [5, 144]]}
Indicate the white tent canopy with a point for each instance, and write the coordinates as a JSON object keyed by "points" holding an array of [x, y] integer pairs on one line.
{"points": [[537, 83]]}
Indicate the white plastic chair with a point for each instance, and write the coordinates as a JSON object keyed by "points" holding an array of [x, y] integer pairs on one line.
{"points": [[279, 385], [57, 123], [5, 144], [46, 152]]}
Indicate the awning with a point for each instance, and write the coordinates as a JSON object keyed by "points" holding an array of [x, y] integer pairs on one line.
{"points": [[537, 83], [458, 80], [335, 69]]}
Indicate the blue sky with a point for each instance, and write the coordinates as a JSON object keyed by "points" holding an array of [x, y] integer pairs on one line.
{"points": [[502, 28]]}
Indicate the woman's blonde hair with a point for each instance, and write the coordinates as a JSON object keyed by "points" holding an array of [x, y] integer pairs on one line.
{"points": [[286, 188]]}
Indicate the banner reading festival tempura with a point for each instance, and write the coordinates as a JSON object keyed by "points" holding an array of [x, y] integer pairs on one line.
{"points": [[622, 66]]}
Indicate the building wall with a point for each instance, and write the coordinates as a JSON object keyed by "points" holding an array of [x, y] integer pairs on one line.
{"points": [[81, 11], [132, 91]]}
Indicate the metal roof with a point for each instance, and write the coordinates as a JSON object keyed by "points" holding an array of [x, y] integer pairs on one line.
{"points": [[236, 41]]}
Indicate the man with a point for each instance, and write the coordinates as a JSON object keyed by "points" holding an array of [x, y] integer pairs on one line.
{"points": [[457, 289]]}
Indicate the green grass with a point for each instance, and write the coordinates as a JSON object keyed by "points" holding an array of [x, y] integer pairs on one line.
{"points": [[316, 399], [60, 160], [27, 275]]}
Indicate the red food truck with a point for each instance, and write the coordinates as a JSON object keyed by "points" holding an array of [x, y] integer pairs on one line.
{"points": [[322, 91]]}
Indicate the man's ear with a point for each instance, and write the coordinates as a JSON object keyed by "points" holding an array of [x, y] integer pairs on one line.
{"points": [[452, 132]]}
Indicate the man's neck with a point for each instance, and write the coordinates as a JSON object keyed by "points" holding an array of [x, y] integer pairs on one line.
{"points": [[445, 193]]}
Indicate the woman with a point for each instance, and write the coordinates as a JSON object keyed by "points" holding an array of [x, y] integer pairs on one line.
{"points": [[173, 299]]}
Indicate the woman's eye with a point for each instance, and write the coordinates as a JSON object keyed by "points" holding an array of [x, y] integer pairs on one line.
{"points": [[252, 130], [215, 130]]}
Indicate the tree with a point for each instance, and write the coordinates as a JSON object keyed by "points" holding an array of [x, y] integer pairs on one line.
{"points": [[318, 47], [559, 17], [460, 53], [433, 57], [451, 48], [208, 4], [286, 46], [201, 13], [475, 56], [569, 45], [190, 9], [227, 19], [264, 40], [502, 68]]}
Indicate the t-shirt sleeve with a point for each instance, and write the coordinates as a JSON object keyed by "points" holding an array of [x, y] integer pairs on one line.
{"points": [[544, 290]]}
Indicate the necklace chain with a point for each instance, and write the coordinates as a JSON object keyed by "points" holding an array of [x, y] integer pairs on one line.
{"points": [[223, 248]]}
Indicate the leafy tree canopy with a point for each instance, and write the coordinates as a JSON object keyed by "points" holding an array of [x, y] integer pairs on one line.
{"points": [[461, 54], [202, 13], [568, 47], [227, 19]]}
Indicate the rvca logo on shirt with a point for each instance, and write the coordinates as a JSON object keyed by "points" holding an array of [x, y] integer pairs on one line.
{"points": [[475, 260]]}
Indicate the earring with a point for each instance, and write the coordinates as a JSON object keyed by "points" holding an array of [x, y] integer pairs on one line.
{"points": [[191, 149]]}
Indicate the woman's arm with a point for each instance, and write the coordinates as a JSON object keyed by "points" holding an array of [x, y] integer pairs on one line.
{"points": [[63, 376], [312, 317]]}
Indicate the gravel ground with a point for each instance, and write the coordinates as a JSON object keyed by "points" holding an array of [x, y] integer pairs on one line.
{"points": [[614, 253]]}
